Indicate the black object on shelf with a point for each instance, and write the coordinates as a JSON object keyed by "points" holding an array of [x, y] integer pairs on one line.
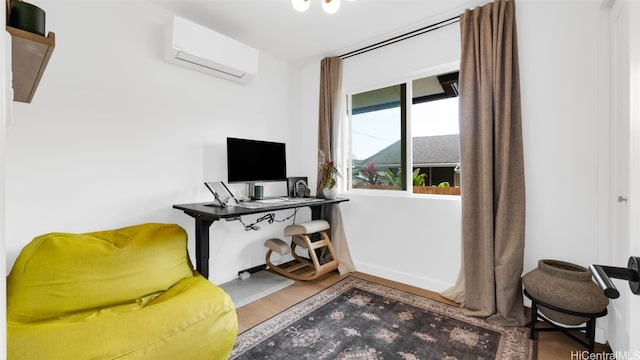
{"points": [[27, 17]]}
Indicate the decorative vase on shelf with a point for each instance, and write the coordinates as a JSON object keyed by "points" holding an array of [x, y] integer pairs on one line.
{"points": [[566, 286], [328, 174], [330, 193]]}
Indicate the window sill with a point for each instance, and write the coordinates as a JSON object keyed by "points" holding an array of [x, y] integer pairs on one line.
{"points": [[435, 190], [402, 194]]}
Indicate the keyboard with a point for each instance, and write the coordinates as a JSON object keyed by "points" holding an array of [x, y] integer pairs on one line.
{"points": [[275, 201], [271, 201]]}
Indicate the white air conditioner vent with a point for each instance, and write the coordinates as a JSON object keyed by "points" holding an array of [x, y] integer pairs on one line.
{"points": [[202, 49]]}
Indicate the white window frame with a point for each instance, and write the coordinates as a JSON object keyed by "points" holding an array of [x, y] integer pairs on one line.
{"points": [[346, 128]]}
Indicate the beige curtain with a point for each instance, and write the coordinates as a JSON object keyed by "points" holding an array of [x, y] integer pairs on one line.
{"points": [[493, 189], [328, 125]]}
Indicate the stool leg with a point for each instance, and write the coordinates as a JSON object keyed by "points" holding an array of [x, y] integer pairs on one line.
{"points": [[591, 334], [534, 319]]}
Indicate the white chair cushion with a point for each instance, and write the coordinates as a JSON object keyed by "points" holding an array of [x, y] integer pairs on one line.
{"points": [[278, 246], [306, 228]]}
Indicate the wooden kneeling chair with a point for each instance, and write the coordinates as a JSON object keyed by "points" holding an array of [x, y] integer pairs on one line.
{"points": [[303, 268]]}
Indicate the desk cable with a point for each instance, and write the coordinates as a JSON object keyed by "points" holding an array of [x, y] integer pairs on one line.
{"points": [[270, 218]]}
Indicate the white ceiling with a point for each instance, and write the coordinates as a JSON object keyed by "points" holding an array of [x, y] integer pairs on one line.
{"points": [[273, 26]]}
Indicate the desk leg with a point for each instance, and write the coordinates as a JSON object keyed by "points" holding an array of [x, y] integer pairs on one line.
{"points": [[317, 212], [202, 246]]}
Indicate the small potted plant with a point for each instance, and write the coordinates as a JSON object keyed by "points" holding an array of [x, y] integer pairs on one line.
{"points": [[328, 174]]}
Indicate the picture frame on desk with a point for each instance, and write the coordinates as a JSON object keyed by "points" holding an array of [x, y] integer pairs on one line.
{"points": [[298, 186]]}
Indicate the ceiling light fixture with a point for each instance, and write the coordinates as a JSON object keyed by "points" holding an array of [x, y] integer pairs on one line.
{"points": [[329, 6], [301, 5]]}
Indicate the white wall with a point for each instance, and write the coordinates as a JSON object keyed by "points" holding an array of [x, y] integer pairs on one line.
{"points": [[115, 135], [565, 91], [412, 239], [563, 52]]}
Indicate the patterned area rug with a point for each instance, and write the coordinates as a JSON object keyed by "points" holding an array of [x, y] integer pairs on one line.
{"points": [[360, 320]]}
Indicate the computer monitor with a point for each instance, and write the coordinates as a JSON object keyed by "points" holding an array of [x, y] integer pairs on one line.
{"points": [[255, 161]]}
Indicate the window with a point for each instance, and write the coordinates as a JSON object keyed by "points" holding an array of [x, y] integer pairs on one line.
{"points": [[378, 122], [379, 134]]}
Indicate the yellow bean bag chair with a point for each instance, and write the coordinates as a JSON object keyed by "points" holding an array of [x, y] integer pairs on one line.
{"points": [[129, 293]]}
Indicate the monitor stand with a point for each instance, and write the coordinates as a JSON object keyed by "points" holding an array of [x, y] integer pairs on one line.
{"points": [[250, 188]]}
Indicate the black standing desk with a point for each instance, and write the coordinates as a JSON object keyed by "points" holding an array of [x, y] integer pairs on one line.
{"points": [[205, 214]]}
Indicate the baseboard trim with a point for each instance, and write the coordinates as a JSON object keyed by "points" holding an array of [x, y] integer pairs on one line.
{"points": [[401, 277]]}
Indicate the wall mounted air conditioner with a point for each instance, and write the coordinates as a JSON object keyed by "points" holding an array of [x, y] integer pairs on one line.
{"points": [[202, 49]]}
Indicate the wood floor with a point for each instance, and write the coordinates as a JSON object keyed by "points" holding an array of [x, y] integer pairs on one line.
{"points": [[551, 345]]}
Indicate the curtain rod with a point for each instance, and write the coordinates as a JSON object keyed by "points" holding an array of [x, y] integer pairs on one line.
{"points": [[402, 37]]}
